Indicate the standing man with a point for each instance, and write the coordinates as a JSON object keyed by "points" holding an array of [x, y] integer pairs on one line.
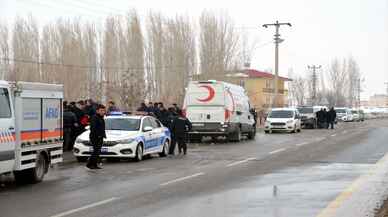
{"points": [[70, 124], [180, 127], [324, 119], [172, 116], [97, 135], [332, 115]]}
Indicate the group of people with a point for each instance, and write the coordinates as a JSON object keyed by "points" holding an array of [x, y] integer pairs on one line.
{"points": [[76, 116], [326, 119], [173, 118]]}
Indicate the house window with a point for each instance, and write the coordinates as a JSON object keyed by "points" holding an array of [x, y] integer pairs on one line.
{"points": [[268, 84]]}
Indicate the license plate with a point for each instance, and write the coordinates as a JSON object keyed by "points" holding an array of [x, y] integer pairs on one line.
{"points": [[103, 150]]}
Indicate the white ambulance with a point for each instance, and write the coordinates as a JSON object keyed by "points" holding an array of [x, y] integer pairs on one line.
{"points": [[217, 108], [30, 129]]}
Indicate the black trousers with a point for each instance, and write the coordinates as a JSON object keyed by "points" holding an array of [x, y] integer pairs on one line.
{"points": [[172, 145], [67, 139], [181, 140], [95, 156], [331, 125]]}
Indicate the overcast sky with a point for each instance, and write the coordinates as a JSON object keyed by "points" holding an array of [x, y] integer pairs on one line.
{"points": [[321, 31]]}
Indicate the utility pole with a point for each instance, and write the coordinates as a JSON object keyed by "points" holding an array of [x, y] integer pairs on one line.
{"points": [[278, 40], [314, 80]]}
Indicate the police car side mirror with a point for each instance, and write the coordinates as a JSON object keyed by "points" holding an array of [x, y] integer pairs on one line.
{"points": [[147, 129]]}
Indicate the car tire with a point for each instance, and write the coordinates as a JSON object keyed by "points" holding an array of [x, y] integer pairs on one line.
{"points": [[33, 175], [236, 136], [252, 134], [82, 159], [294, 130], [139, 153], [165, 149]]}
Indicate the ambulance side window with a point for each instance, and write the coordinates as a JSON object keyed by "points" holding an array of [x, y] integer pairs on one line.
{"points": [[5, 105]]}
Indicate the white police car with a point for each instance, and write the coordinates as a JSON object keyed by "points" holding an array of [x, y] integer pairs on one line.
{"points": [[127, 137]]}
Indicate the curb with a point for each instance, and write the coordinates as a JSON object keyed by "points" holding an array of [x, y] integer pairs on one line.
{"points": [[364, 196]]}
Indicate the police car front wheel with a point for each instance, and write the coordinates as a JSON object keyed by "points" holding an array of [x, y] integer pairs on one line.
{"points": [[139, 153]]}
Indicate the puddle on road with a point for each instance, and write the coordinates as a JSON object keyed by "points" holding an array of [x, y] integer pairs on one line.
{"points": [[299, 192]]}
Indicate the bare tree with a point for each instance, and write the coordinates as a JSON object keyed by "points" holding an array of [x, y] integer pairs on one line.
{"points": [[298, 90], [155, 64], [337, 80], [218, 44], [132, 52], [25, 46], [4, 51], [353, 77]]}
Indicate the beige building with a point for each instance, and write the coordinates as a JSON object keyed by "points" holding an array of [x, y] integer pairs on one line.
{"points": [[378, 100]]}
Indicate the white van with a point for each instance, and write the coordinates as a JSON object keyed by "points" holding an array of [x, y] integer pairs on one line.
{"points": [[217, 108], [344, 114], [30, 129], [283, 119]]}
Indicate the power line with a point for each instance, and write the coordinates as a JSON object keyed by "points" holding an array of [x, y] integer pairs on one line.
{"points": [[89, 66]]}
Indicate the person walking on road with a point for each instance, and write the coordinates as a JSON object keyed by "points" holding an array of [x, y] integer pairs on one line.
{"points": [[332, 115], [173, 115], [180, 127], [97, 135]]}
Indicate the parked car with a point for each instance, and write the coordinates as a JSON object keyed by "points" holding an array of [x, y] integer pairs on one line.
{"points": [[127, 137], [309, 115], [344, 114], [283, 119], [217, 108], [356, 115]]}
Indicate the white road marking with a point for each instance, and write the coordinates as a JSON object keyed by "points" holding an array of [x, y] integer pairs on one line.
{"points": [[85, 207], [240, 162], [182, 179], [333, 135], [278, 150], [301, 144]]}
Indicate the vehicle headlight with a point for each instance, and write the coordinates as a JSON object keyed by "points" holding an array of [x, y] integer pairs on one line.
{"points": [[125, 141], [290, 122]]}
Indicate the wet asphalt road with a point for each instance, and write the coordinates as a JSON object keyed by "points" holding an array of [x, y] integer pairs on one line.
{"points": [[275, 175]]}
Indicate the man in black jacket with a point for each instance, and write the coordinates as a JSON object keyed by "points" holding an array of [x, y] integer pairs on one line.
{"points": [[331, 116], [70, 123], [179, 127], [97, 135]]}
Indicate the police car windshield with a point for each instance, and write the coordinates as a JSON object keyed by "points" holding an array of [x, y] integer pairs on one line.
{"points": [[281, 114], [126, 124], [306, 110]]}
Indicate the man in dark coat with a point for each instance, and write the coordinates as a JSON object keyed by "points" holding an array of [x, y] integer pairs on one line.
{"points": [[70, 123], [164, 115], [180, 127], [172, 116], [324, 119], [332, 115], [97, 135], [78, 110]]}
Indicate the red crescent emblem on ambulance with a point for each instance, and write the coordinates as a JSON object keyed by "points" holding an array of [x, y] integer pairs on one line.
{"points": [[210, 95]]}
